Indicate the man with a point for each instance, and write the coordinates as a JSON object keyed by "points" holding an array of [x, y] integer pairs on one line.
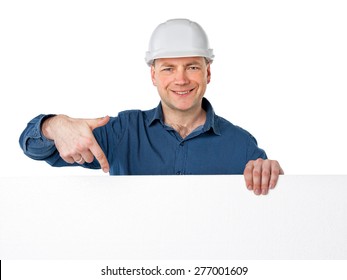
{"points": [[182, 135]]}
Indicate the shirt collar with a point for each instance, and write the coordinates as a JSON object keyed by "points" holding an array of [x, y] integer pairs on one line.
{"points": [[211, 118]]}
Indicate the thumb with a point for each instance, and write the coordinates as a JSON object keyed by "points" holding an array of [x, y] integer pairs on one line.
{"points": [[94, 123]]}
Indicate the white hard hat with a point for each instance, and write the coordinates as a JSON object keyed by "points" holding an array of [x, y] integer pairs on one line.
{"points": [[178, 38]]}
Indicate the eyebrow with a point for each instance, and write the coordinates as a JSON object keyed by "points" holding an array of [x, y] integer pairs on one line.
{"points": [[166, 64]]}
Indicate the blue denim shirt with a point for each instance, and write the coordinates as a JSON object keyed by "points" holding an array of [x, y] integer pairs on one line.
{"points": [[139, 143]]}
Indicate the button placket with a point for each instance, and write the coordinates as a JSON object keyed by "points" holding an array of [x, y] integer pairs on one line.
{"points": [[181, 157]]}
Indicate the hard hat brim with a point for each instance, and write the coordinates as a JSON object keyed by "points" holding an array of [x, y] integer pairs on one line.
{"points": [[151, 56]]}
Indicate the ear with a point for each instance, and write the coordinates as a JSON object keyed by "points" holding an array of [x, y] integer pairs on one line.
{"points": [[153, 75], [208, 73]]}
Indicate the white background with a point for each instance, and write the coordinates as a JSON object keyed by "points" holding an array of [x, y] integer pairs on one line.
{"points": [[280, 71]]}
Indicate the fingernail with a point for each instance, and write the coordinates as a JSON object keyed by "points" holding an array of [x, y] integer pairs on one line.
{"points": [[257, 191], [249, 187], [264, 191], [105, 170]]}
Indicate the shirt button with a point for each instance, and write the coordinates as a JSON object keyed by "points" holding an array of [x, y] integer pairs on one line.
{"points": [[182, 144]]}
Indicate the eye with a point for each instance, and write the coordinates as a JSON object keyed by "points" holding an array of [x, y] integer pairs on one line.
{"points": [[167, 69], [194, 68]]}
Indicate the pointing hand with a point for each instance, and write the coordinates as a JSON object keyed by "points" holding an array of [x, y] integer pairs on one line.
{"points": [[74, 139]]}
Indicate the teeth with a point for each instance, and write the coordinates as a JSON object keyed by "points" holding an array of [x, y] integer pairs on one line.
{"points": [[182, 92]]}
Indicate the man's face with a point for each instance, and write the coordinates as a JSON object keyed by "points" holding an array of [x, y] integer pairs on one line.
{"points": [[181, 82]]}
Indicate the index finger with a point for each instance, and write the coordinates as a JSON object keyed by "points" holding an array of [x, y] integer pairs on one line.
{"points": [[100, 157]]}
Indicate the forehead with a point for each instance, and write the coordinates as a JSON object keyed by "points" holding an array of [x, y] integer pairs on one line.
{"points": [[180, 61]]}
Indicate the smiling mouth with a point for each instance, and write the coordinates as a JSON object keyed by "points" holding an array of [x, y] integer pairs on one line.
{"points": [[183, 92]]}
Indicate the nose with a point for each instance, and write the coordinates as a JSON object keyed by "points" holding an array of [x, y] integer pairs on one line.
{"points": [[181, 77]]}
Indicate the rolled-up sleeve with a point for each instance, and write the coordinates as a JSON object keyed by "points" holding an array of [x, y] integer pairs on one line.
{"points": [[33, 143]]}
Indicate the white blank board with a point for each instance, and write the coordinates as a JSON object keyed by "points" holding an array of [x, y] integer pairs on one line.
{"points": [[172, 217]]}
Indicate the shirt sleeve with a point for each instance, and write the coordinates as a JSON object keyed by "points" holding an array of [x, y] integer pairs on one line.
{"points": [[33, 143], [253, 151]]}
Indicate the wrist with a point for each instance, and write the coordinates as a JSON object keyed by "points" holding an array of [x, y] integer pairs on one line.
{"points": [[47, 126]]}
